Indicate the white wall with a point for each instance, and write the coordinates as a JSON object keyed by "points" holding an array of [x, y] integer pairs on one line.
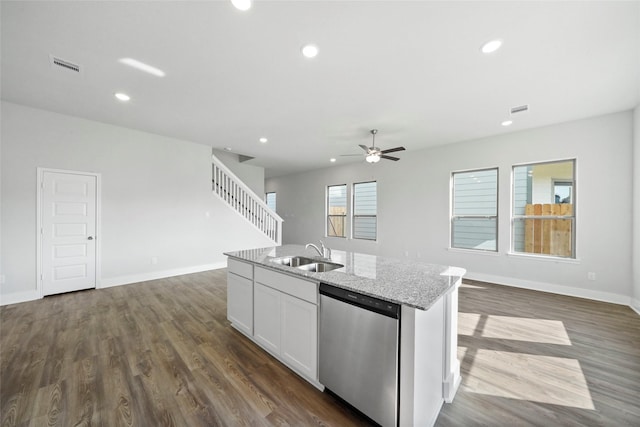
{"points": [[252, 176], [414, 197], [156, 193], [636, 209]]}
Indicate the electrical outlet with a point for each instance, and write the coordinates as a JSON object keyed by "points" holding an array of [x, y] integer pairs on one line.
{"points": [[154, 260], [591, 275]]}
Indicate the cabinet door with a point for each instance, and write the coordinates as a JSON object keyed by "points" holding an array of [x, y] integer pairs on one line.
{"points": [[267, 317], [300, 335], [240, 302]]}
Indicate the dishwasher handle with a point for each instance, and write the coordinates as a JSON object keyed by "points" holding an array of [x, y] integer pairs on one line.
{"points": [[366, 302]]}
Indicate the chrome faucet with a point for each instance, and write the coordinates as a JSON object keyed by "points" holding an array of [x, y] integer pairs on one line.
{"points": [[324, 253]]}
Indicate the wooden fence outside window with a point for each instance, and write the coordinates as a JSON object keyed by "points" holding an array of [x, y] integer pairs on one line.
{"points": [[549, 236]]}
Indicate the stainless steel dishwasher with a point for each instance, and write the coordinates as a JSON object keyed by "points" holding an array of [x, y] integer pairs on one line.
{"points": [[359, 354]]}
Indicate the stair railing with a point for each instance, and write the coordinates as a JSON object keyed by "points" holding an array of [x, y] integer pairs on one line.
{"points": [[243, 200]]}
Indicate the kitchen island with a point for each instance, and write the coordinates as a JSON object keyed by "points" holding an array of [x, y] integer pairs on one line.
{"points": [[276, 306]]}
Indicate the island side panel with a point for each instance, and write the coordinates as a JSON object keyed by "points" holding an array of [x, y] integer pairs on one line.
{"points": [[422, 364], [452, 378], [240, 295]]}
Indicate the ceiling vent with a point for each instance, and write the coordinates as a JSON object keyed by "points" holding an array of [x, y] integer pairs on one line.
{"points": [[58, 63], [519, 109]]}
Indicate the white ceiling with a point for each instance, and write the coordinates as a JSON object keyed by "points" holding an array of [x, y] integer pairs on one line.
{"points": [[411, 69]]}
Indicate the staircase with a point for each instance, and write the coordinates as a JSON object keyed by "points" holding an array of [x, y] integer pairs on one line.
{"points": [[243, 200]]}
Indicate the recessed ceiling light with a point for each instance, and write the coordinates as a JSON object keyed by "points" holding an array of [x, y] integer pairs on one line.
{"points": [[491, 46], [138, 65], [332, 160], [263, 140], [507, 123], [241, 4], [122, 96], [310, 50]]}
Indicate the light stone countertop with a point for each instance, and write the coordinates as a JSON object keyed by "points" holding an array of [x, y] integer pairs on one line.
{"points": [[408, 282]]}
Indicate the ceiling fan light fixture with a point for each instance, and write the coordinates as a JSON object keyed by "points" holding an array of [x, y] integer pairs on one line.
{"points": [[372, 158], [374, 154]]}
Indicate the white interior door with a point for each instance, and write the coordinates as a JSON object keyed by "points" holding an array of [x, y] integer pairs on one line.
{"points": [[68, 233]]}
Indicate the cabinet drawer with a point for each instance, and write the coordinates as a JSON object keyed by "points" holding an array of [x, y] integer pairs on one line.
{"points": [[240, 268], [299, 288]]}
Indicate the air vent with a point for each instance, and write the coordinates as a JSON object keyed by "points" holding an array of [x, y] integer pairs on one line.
{"points": [[519, 109], [67, 65]]}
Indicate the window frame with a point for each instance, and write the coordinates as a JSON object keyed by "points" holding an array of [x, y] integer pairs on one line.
{"points": [[328, 215], [453, 217], [572, 217], [353, 211]]}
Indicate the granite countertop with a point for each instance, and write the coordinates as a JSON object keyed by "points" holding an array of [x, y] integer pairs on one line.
{"points": [[408, 282]]}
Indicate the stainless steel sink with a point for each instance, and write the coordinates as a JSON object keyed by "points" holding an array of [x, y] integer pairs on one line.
{"points": [[320, 267], [294, 261]]}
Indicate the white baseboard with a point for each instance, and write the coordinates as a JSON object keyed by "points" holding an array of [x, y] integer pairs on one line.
{"points": [[635, 305], [19, 297], [451, 384], [154, 275], [552, 288]]}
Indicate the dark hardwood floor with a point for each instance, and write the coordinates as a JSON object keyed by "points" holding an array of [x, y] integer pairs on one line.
{"points": [[537, 359], [161, 353]]}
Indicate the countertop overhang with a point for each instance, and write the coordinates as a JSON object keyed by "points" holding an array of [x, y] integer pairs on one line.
{"points": [[407, 282]]}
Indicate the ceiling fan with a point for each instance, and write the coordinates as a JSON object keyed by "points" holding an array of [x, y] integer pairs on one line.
{"points": [[373, 154]]}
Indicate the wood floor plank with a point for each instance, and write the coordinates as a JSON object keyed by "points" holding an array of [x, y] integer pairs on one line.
{"points": [[162, 353]]}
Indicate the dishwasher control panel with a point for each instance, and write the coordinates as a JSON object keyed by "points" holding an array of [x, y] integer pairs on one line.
{"points": [[370, 303]]}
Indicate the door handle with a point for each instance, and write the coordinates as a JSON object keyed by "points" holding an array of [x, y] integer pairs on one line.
{"points": [[90, 238]]}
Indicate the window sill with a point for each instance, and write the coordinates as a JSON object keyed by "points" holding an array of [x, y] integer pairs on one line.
{"points": [[474, 251], [545, 258]]}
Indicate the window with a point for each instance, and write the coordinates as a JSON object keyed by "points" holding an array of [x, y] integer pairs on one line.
{"points": [[544, 209], [365, 200], [336, 210], [270, 199], [474, 216]]}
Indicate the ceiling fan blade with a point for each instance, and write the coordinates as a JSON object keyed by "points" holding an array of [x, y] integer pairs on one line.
{"points": [[364, 147], [391, 150], [395, 159]]}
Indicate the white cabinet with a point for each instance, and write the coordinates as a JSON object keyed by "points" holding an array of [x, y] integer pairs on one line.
{"points": [[286, 319], [287, 326], [299, 346], [240, 295], [299, 288], [279, 312], [266, 310]]}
